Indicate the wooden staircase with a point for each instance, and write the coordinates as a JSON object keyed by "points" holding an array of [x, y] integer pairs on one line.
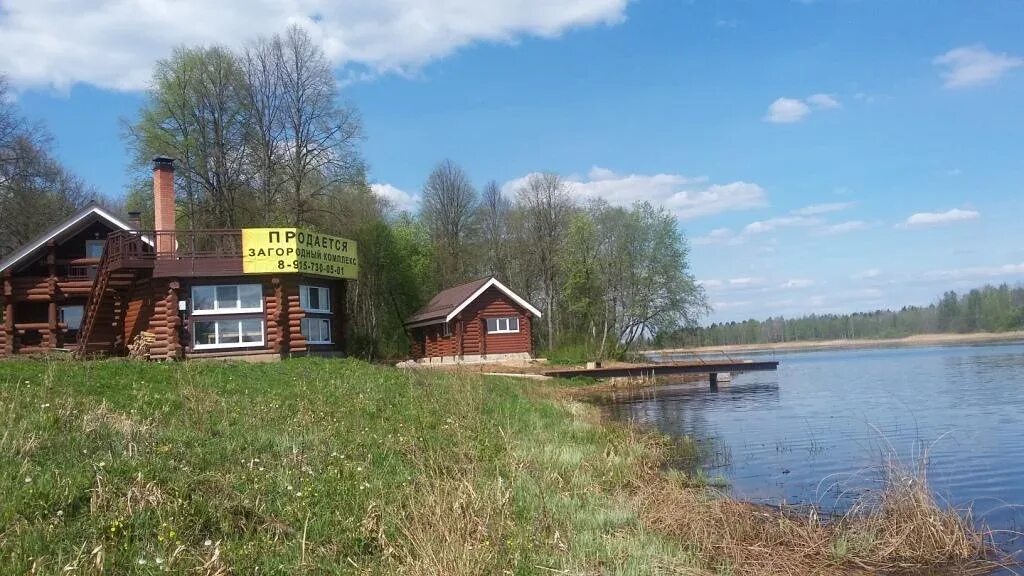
{"points": [[104, 311]]}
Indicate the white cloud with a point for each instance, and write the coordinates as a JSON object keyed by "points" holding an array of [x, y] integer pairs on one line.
{"points": [[730, 305], [867, 274], [1004, 271], [711, 283], [745, 282], [826, 208], [975, 65], [808, 217], [789, 110], [716, 236], [823, 101], [114, 43], [686, 197], [864, 294], [841, 228], [400, 199], [773, 224], [921, 219], [797, 283], [786, 111]]}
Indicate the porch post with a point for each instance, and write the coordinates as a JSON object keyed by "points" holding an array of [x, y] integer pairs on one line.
{"points": [[458, 337], [173, 321], [8, 328], [51, 285], [280, 318]]}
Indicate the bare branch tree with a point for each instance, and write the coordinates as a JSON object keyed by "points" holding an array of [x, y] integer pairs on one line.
{"points": [[548, 207], [261, 64], [493, 228], [448, 203], [321, 136]]}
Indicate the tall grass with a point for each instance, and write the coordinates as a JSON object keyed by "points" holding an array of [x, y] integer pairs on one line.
{"points": [[336, 466]]}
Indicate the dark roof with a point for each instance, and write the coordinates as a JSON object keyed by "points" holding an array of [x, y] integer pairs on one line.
{"points": [[442, 304], [72, 225], [448, 303]]}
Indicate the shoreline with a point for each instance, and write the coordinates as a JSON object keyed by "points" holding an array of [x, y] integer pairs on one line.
{"points": [[918, 340]]}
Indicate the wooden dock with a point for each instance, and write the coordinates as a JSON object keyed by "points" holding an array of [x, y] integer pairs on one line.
{"points": [[712, 368]]}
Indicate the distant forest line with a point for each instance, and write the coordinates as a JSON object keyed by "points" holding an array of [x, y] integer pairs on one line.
{"points": [[986, 309]]}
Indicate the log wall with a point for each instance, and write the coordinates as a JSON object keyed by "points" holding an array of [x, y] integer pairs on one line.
{"points": [[282, 316], [469, 335]]}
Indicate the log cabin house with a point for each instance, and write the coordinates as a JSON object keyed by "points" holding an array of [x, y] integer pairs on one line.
{"points": [[482, 320], [94, 283]]}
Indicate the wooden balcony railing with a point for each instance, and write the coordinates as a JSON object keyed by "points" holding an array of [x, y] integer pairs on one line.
{"points": [[177, 252]]}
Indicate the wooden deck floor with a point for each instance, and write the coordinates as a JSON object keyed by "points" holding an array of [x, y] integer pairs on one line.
{"points": [[663, 369]]}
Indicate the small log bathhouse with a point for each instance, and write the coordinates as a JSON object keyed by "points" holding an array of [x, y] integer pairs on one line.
{"points": [[93, 283], [482, 320]]}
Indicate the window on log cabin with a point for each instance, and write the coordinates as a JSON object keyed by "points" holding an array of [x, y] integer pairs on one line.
{"points": [[236, 324], [316, 330], [72, 317], [315, 299], [503, 325], [227, 299], [446, 329], [94, 248], [227, 333], [316, 303]]}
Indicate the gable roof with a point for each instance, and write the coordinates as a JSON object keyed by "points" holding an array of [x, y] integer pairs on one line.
{"points": [[73, 225], [447, 303]]}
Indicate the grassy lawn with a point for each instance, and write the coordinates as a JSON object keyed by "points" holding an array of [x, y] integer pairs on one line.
{"points": [[338, 466], [313, 466]]}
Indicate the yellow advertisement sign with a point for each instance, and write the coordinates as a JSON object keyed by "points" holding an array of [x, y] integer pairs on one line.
{"points": [[294, 250]]}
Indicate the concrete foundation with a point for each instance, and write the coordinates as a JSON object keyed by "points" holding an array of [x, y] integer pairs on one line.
{"points": [[476, 358]]}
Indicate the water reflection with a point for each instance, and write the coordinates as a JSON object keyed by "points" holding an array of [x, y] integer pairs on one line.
{"points": [[817, 430]]}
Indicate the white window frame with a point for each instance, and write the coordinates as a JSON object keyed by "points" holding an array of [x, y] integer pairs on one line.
{"points": [[446, 329], [217, 321], [498, 322], [325, 298], [102, 244], [320, 319], [223, 311]]}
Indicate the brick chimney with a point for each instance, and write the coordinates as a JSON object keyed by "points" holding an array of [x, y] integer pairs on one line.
{"points": [[163, 203], [135, 220]]}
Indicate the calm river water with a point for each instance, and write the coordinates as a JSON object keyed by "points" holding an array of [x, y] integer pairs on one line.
{"points": [[817, 430]]}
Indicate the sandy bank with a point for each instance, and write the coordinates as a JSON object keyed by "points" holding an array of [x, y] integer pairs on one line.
{"points": [[807, 345]]}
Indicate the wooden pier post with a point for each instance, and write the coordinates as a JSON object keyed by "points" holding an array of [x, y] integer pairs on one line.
{"points": [[713, 379]]}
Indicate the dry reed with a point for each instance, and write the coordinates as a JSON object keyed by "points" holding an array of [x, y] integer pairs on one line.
{"points": [[901, 530]]}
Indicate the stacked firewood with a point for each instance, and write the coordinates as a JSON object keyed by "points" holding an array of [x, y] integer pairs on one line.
{"points": [[139, 348]]}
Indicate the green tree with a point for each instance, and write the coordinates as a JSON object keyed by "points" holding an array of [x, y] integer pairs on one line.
{"points": [[195, 113]]}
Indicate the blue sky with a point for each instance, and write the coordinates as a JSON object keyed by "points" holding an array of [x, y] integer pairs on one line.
{"points": [[821, 156]]}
